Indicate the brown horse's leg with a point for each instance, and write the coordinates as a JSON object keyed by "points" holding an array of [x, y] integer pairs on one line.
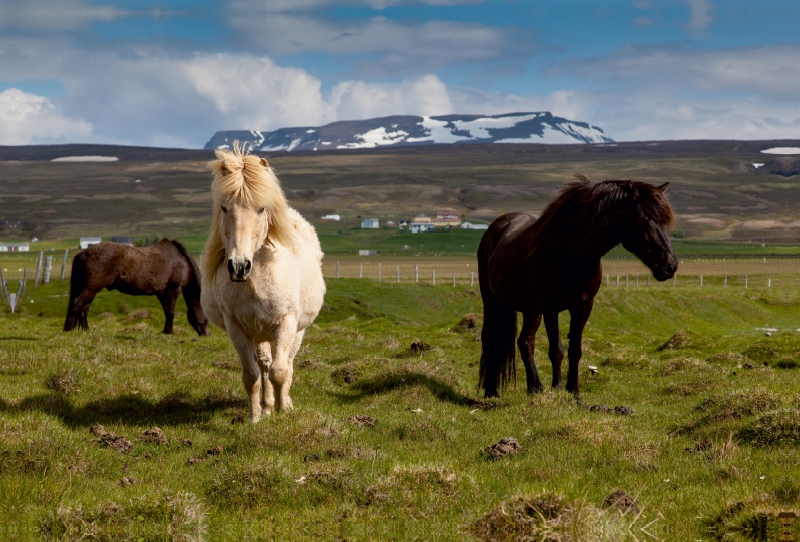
{"points": [[526, 343], [578, 318], [556, 351], [79, 311], [168, 300]]}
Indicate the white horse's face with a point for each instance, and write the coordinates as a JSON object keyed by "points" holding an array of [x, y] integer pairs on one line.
{"points": [[243, 230]]}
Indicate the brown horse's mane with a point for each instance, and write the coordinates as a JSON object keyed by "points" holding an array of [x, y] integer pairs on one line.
{"points": [[582, 207], [195, 281]]}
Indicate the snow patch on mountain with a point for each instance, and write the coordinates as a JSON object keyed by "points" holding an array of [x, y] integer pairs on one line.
{"points": [[402, 130]]}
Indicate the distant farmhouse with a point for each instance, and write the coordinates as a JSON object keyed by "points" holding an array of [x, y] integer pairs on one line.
{"points": [[471, 226], [367, 252], [21, 247], [86, 242], [421, 224], [370, 223], [447, 218], [332, 217]]}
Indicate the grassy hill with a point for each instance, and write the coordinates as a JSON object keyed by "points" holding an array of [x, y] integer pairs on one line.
{"points": [[714, 422]]}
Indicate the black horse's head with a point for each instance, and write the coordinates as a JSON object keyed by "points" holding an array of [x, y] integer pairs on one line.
{"points": [[646, 232]]}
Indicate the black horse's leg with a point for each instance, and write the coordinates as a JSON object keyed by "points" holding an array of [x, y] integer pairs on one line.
{"points": [[578, 318], [168, 300], [526, 343], [556, 351]]}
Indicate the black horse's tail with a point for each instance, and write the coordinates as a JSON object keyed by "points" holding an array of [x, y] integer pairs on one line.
{"points": [[77, 285], [498, 344]]}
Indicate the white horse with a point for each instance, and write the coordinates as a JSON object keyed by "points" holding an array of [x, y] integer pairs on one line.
{"points": [[261, 275]]}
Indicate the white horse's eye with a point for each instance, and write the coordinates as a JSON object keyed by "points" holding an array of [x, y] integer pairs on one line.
{"points": [[224, 210], [261, 211]]}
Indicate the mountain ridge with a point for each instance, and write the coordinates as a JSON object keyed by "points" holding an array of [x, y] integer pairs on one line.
{"points": [[408, 130]]}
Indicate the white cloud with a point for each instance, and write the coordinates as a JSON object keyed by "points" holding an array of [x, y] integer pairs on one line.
{"points": [[46, 15], [699, 16], [393, 47], [27, 118], [361, 100]]}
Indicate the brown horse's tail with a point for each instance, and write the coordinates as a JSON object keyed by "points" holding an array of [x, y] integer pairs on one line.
{"points": [[77, 285], [191, 293]]}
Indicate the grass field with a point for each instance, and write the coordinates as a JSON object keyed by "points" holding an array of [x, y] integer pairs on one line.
{"points": [[710, 450]]}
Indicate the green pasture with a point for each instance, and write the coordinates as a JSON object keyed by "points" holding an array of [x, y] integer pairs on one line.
{"points": [[710, 451]]}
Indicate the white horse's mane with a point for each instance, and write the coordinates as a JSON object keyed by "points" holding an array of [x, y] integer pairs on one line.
{"points": [[246, 179]]}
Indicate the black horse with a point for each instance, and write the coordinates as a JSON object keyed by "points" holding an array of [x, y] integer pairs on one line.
{"points": [[552, 264], [165, 270]]}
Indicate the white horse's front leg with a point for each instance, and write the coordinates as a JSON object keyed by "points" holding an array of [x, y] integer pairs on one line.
{"points": [[281, 369], [251, 371], [267, 391]]}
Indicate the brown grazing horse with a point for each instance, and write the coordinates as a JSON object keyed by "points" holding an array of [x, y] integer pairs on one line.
{"points": [[552, 264], [165, 270]]}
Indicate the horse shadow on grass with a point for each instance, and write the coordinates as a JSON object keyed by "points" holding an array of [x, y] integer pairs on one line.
{"points": [[174, 409], [388, 382]]}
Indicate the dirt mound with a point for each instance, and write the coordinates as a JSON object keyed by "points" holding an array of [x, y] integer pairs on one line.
{"points": [[676, 342], [141, 314], [154, 435], [621, 501], [362, 420], [418, 347], [506, 447], [110, 439], [470, 322]]}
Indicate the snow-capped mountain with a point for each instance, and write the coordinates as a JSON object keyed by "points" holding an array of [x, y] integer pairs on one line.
{"points": [[405, 130]]}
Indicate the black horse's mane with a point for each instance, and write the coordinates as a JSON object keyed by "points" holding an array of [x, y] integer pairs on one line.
{"points": [[582, 207]]}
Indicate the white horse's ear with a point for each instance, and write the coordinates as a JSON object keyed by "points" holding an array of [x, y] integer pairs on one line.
{"points": [[663, 187], [264, 162]]}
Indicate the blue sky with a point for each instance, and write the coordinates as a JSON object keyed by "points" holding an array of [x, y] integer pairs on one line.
{"points": [[174, 72]]}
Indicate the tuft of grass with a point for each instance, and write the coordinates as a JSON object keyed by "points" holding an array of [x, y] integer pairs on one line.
{"points": [[64, 380], [780, 427], [550, 517], [173, 516]]}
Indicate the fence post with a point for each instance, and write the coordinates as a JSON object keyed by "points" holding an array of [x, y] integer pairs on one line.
{"points": [[2, 284], [433, 276], [416, 273], [745, 282], [627, 275], [769, 283], [472, 279], [337, 269], [607, 280], [48, 269], [24, 283], [701, 281], [454, 279], [379, 272], [64, 264], [361, 270], [617, 281], [675, 280], [637, 280], [38, 270], [397, 272], [725, 282]]}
